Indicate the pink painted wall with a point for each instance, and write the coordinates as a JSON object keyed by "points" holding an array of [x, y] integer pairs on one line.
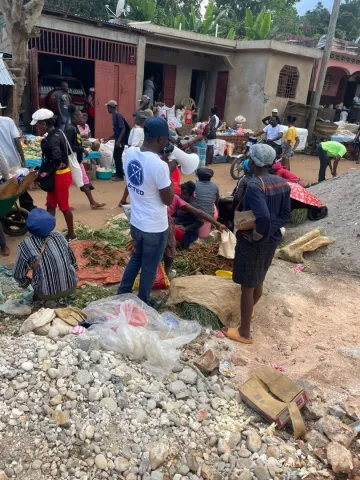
{"points": [[336, 73], [347, 68]]}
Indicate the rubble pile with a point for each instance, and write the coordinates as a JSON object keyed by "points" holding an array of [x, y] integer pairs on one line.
{"points": [[70, 411]]}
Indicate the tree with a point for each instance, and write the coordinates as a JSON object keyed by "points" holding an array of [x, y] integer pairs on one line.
{"points": [[259, 28], [20, 20], [315, 22], [286, 22]]}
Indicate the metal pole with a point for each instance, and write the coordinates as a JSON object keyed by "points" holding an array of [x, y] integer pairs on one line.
{"points": [[323, 67]]}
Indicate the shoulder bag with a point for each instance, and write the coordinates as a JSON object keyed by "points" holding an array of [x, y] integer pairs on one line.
{"points": [[246, 220], [74, 166], [46, 180], [42, 250]]}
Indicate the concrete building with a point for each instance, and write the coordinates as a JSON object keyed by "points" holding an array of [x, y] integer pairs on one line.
{"points": [[241, 77]]}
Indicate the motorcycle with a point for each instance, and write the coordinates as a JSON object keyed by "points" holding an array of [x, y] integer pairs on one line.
{"points": [[237, 165]]}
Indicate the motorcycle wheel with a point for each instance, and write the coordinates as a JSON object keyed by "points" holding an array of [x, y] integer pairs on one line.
{"points": [[237, 167], [14, 222]]}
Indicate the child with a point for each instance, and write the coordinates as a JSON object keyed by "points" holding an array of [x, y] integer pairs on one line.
{"points": [[290, 142], [206, 191]]}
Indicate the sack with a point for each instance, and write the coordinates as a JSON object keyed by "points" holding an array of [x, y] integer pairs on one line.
{"points": [[244, 220], [227, 244], [46, 180], [74, 166]]}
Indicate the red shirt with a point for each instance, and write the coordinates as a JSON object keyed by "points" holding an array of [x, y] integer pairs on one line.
{"points": [[176, 204], [284, 173], [175, 178]]}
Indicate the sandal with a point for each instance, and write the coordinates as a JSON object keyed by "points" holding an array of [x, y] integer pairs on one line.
{"points": [[233, 334], [99, 205]]}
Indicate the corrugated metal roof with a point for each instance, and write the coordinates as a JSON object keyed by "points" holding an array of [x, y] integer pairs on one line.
{"points": [[5, 77]]}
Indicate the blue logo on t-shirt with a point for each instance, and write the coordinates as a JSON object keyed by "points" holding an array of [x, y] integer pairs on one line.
{"points": [[135, 173]]}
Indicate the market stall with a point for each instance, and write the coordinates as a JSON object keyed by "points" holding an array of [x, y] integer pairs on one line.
{"points": [[32, 151]]}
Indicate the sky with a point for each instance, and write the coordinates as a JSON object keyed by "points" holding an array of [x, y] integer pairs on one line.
{"points": [[305, 5]]}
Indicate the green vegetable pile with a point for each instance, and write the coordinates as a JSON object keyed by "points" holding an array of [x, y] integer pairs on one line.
{"points": [[116, 234], [194, 311], [91, 293]]}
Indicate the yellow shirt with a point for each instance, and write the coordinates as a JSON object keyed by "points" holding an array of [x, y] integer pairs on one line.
{"points": [[290, 135]]}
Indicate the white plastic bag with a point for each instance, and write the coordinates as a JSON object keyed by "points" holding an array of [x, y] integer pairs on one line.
{"points": [[127, 325], [227, 244], [107, 152], [76, 174]]}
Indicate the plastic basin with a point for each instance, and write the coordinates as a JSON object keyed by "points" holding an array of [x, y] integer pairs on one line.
{"points": [[104, 175]]}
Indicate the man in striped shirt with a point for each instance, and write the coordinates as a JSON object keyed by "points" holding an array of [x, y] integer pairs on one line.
{"points": [[48, 255]]}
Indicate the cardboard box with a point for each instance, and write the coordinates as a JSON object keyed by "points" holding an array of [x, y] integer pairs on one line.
{"points": [[275, 397]]}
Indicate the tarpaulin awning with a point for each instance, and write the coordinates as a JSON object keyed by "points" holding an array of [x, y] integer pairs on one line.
{"points": [[5, 76]]}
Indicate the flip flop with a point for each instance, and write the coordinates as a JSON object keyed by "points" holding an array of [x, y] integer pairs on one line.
{"points": [[253, 314], [233, 334], [96, 207]]}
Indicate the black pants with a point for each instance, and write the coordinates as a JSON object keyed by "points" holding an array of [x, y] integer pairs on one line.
{"points": [[118, 151], [26, 201], [323, 163]]}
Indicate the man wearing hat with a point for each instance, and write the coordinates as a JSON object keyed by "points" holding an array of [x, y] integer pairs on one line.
{"points": [[119, 131], [274, 113], [48, 255], [151, 191], [144, 107], [268, 197]]}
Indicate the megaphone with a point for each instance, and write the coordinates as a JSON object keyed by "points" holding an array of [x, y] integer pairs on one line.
{"points": [[188, 162]]}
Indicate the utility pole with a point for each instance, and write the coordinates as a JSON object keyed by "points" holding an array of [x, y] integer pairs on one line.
{"points": [[323, 67]]}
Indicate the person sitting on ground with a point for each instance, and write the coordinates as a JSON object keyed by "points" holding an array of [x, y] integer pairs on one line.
{"points": [[274, 113], [73, 136], [327, 151], [206, 191], [273, 135], [49, 256], [187, 224], [198, 143], [83, 127], [290, 142], [283, 172], [268, 197], [180, 204]]}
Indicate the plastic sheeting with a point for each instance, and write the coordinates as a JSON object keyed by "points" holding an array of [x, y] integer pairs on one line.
{"points": [[127, 325]]}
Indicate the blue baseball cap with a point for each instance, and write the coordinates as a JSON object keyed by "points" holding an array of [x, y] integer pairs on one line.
{"points": [[40, 223], [155, 127]]}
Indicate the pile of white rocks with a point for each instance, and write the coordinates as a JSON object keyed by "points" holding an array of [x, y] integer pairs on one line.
{"points": [[70, 411]]}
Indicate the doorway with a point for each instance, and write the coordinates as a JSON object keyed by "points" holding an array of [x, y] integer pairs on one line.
{"points": [[155, 70]]}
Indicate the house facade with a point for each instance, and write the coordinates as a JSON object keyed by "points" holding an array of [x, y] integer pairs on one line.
{"points": [[241, 77]]}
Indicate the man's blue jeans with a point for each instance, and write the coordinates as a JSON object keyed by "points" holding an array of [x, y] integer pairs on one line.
{"points": [[149, 251]]}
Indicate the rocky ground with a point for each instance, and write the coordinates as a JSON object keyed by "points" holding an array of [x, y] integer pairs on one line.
{"points": [[68, 411]]}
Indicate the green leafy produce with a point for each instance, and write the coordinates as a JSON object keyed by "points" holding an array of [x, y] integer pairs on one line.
{"points": [[194, 311], [90, 293], [116, 234], [298, 216]]}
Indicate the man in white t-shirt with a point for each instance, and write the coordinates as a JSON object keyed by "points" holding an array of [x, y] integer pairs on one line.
{"points": [[10, 143], [136, 136], [273, 134], [150, 189]]}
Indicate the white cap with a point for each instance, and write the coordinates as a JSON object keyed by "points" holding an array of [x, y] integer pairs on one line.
{"points": [[111, 103], [275, 110], [42, 114]]}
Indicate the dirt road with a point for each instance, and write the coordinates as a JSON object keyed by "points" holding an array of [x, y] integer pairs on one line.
{"points": [[109, 192]]}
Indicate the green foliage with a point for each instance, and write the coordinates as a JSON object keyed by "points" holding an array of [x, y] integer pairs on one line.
{"points": [[231, 34], [258, 29]]}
